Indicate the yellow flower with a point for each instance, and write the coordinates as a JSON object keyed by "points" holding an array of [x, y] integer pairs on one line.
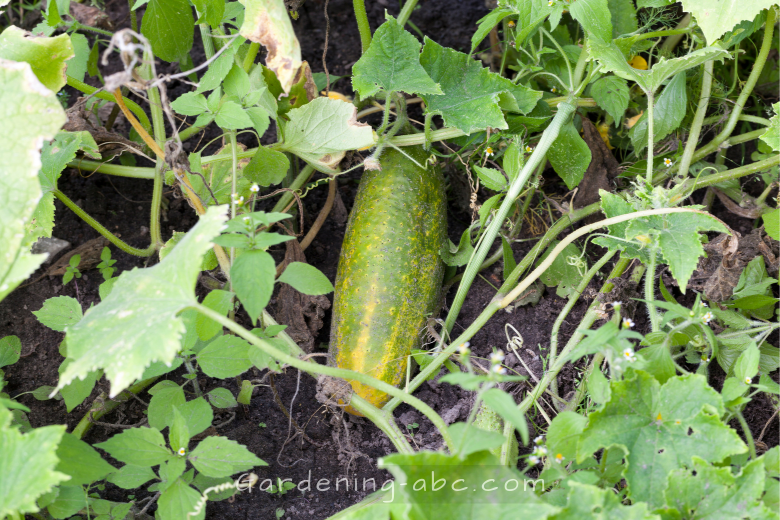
{"points": [[338, 96], [603, 129], [632, 120], [489, 151], [511, 24], [528, 149]]}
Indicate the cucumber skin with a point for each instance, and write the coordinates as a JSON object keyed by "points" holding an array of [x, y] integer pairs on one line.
{"points": [[390, 272]]}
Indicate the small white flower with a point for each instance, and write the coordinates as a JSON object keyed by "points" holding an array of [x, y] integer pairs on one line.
{"points": [[707, 317], [463, 349], [498, 369], [616, 304], [540, 451], [553, 90], [704, 304], [559, 458], [628, 323], [748, 380], [528, 149], [489, 152], [247, 219], [534, 460], [182, 451], [550, 3], [539, 440], [668, 162], [629, 355], [497, 357], [255, 188]]}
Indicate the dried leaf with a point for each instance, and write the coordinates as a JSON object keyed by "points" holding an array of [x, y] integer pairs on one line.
{"points": [[748, 211], [602, 169], [92, 16]]}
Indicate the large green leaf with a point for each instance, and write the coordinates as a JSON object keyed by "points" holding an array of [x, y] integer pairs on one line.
{"points": [[137, 446], [623, 17], [436, 485], [169, 26], [612, 94], [594, 16], [46, 56], [139, 322], [392, 63], [659, 428], [708, 493], [226, 356], [80, 461], [221, 457], [570, 155], [668, 112], [34, 114], [267, 22], [59, 312], [178, 501], [716, 17], [591, 503], [471, 92], [321, 131], [28, 465]]}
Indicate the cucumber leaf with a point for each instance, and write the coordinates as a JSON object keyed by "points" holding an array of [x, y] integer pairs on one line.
{"points": [[717, 18]]}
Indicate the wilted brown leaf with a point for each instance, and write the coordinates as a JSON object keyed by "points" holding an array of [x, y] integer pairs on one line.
{"points": [[602, 169]]}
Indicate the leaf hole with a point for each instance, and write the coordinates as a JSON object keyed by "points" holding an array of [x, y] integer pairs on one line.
{"points": [[690, 431]]}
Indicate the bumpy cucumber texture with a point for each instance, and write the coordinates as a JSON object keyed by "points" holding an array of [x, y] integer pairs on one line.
{"points": [[390, 272]]}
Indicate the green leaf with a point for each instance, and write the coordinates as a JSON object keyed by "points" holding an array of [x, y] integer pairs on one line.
{"points": [[613, 60], [486, 24], [564, 272], [267, 22], [80, 460], [169, 26], [226, 356], [179, 434], [28, 463], [594, 16], [716, 17], [471, 92], [504, 405], [678, 239], [491, 178], [267, 167], [708, 493], [569, 155], [77, 390], [197, 415], [218, 301], [178, 501], [772, 223], [222, 398], [320, 132], [659, 428], [131, 477], [162, 404], [70, 500], [459, 255], [306, 279], [245, 394], [137, 446], [211, 11], [509, 257], [231, 116], [668, 113], [772, 138], [746, 366], [253, 275], [220, 457], [77, 66], [587, 502], [46, 56], [190, 104], [215, 75], [35, 114], [10, 350], [471, 439], [59, 313], [564, 433], [623, 17], [612, 94], [428, 485], [139, 322], [392, 63]]}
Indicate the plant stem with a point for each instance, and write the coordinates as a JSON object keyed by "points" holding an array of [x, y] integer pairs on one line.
{"points": [[406, 12], [314, 368], [655, 319], [362, 22], [299, 181], [234, 180], [133, 16], [149, 251], [383, 421], [417, 139], [208, 41], [698, 119], [573, 299], [565, 110], [748, 434], [106, 96], [133, 172], [650, 141], [102, 405], [194, 380], [251, 54]]}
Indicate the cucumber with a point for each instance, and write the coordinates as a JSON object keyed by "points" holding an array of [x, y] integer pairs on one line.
{"points": [[390, 272]]}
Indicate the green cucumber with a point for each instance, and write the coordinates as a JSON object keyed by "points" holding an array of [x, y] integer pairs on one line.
{"points": [[390, 272]]}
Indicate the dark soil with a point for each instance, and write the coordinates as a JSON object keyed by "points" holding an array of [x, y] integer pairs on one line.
{"points": [[343, 447]]}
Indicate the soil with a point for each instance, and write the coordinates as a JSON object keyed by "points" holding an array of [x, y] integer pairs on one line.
{"points": [[336, 447]]}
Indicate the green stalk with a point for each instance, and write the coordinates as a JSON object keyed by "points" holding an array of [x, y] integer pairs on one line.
{"points": [[251, 54], [105, 96], [655, 319], [698, 119], [158, 124], [208, 41], [406, 12], [383, 421], [102, 405], [315, 368], [149, 251], [573, 299], [690, 184], [299, 181], [748, 434], [565, 111], [650, 142], [190, 131], [133, 172], [362, 22], [234, 187], [133, 16], [416, 139]]}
